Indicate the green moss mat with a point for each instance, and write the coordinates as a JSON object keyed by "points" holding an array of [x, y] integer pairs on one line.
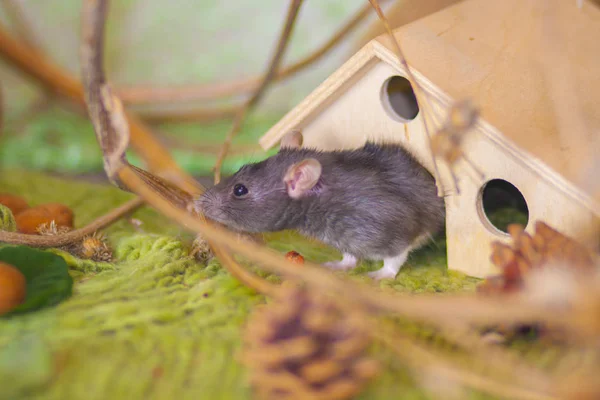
{"points": [[156, 324]]}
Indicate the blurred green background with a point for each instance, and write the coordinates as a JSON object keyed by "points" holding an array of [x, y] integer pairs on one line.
{"points": [[157, 43]]}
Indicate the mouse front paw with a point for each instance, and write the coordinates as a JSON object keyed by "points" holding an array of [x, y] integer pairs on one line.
{"points": [[383, 273]]}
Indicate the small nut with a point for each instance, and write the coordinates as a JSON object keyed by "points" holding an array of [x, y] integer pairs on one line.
{"points": [[294, 257], [29, 220], [16, 204], [12, 287]]}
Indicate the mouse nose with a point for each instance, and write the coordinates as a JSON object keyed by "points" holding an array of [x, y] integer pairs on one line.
{"points": [[202, 204]]}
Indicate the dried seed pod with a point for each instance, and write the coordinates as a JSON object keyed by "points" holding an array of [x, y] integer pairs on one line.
{"points": [[304, 346], [51, 229], [95, 247]]}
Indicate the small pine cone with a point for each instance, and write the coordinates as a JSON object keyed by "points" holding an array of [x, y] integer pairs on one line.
{"points": [[201, 250], [547, 247], [304, 347]]}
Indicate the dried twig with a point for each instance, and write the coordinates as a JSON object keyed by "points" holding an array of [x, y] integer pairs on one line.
{"points": [[1, 112], [282, 44], [435, 310], [14, 10], [205, 114], [56, 80], [75, 235], [420, 94], [211, 91], [443, 311], [110, 125], [422, 359]]}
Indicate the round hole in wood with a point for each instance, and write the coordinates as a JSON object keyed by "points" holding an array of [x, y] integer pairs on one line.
{"points": [[399, 99], [502, 204]]}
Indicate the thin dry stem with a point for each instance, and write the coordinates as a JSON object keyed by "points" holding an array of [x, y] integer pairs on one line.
{"points": [[112, 131], [282, 44], [420, 94], [54, 79], [435, 310], [422, 359], [438, 311], [1, 112], [14, 10], [206, 114], [212, 91], [75, 235]]}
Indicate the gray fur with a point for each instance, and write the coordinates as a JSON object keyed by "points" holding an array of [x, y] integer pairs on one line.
{"points": [[371, 202]]}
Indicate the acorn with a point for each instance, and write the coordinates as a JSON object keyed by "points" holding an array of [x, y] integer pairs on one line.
{"points": [[29, 221], [12, 287], [16, 204]]}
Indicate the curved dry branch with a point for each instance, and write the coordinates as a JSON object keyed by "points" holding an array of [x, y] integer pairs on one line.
{"points": [[205, 114], [282, 45], [212, 91], [56, 80], [420, 95], [75, 235], [14, 10], [111, 128]]}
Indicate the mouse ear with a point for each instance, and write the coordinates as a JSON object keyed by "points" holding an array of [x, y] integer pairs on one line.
{"points": [[301, 177], [291, 140]]}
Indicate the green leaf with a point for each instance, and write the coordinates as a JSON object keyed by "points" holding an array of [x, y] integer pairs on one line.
{"points": [[46, 274], [7, 220]]}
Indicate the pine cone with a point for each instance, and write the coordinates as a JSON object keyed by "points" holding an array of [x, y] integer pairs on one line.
{"points": [[304, 347], [547, 247]]}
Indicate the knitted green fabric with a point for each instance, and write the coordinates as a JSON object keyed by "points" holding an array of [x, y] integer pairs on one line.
{"points": [[155, 324]]}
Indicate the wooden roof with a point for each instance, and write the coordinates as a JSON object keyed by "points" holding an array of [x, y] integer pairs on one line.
{"points": [[532, 66], [493, 52]]}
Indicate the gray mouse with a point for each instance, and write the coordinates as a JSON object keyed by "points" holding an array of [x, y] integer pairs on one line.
{"points": [[375, 203]]}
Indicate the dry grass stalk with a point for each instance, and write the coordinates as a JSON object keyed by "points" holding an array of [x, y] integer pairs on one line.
{"points": [[55, 80], [212, 91], [490, 381], [282, 45], [15, 12], [420, 94], [462, 117], [111, 127], [441, 312], [447, 142]]}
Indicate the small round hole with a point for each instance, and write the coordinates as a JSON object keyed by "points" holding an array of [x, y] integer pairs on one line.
{"points": [[399, 99], [503, 204]]}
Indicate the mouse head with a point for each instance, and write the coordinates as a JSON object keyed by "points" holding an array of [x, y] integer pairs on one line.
{"points": [[265, 196]]}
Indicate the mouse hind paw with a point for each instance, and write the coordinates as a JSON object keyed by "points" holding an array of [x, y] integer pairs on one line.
{"points": [[346, 263], [391, 266]]}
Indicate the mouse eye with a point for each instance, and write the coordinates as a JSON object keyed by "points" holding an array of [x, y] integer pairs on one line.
{"points": [[240, 190]]}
